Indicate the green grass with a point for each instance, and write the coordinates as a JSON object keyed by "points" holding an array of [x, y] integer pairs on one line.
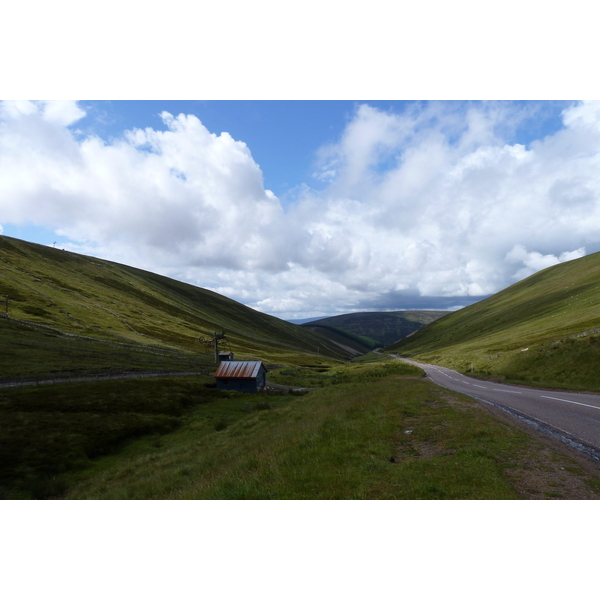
{"points": [[541, 330], [343, 442], [51, 433], [28, 351], [371, 357], [383, 434], [359, 371]]}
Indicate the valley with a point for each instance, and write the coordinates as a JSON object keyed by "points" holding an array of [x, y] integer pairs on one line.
{"points": [[117, 423]]}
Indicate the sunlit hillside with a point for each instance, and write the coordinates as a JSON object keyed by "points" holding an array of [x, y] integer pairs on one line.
{"points": [[544, 329], [61, 305]]}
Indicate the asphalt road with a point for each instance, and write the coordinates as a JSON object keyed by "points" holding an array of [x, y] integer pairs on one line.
{"points": [[572, 417]]}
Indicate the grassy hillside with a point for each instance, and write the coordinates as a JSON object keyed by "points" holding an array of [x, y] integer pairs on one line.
{"points": [[68, 311], [374, 329], [355, 343], [544, 329]]}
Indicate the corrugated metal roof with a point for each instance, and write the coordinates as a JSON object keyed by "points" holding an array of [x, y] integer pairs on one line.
{"points": [[238, 369]]}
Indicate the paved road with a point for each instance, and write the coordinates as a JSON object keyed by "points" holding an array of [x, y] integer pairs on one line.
{"points": [[570, 416]]}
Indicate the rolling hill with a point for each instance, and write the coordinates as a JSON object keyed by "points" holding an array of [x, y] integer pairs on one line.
{"points": [[364, 331], [74, 313], [544, 329]]}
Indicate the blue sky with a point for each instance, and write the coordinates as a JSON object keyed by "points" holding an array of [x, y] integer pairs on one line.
{"points": [[283, 136], [305, 208]]}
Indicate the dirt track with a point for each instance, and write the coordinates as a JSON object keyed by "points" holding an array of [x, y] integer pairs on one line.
{"points": [[29, 381]]}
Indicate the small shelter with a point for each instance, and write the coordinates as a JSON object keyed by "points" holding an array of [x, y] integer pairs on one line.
{"points": [[241, 376], [225, 356]]}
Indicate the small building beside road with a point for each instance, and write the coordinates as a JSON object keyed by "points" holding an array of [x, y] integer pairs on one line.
{"points": [[241, 376]]}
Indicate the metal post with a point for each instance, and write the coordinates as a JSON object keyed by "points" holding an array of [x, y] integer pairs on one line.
{"points": [[7, 306]]}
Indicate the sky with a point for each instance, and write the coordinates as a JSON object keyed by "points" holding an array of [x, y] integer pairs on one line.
{"points": [[300, 207], [308, 208]]}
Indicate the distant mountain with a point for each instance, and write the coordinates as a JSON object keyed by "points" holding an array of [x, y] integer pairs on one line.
{"points": [[302, 321], [543, 329], [364, 331]]}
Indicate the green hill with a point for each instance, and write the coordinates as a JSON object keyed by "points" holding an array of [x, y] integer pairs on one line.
{"points": [[544, 329], [70, 313], [367, 330]]}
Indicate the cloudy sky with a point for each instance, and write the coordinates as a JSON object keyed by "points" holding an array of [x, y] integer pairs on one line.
{"points": [[307, 208]]}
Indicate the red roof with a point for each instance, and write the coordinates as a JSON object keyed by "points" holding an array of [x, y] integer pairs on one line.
{"points": [[239, 369]]}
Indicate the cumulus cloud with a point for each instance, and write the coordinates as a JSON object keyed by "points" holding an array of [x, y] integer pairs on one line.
{"points": [[534, 261], [433, 207], [179, 196]]}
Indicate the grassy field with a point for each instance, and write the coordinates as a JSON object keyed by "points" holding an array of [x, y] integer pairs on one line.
{"points": [[384, 434], [328, 373], [543, 330]]}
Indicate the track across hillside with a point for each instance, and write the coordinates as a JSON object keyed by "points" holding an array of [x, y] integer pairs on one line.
{"points": [[33, 381]]}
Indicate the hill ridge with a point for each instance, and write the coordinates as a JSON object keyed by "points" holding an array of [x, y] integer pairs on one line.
{"points": [[372, 329]]}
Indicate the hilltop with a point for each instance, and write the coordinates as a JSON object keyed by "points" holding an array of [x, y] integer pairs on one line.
{"points": [[69, 312], [364, 331], [544, 329]]}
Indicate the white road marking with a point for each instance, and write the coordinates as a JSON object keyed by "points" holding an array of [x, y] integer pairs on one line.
{"points": [[571, 402], [506, 391], [481, 386]]}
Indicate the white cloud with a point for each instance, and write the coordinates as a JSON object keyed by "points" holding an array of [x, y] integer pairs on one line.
{"points": [[432, 202], [534, 261], [62, 112], [182, 195]]}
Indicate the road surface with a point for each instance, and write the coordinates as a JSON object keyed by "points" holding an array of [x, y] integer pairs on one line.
{"points": [[572, 417]]}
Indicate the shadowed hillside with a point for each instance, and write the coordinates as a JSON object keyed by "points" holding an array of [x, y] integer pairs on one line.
{"points": [[544, 329], [364, 331]]}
